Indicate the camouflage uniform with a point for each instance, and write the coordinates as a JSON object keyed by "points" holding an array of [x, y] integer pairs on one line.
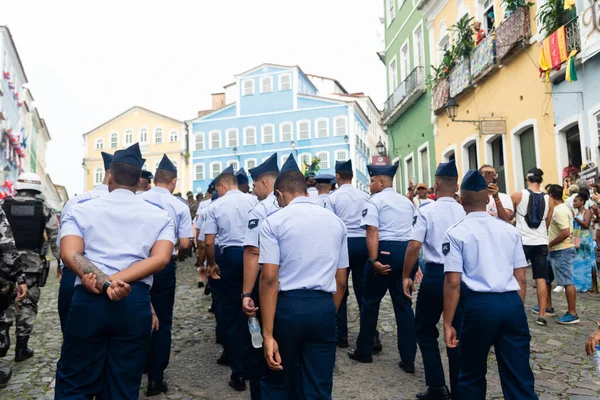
{"points": [[11, 272], [32, 266], [193, 207]]}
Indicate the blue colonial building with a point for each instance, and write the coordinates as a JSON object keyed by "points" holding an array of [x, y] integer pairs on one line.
{"points": [[275, 108]]}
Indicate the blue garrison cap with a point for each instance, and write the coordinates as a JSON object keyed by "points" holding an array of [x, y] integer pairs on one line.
{"points": [[325, 178], [269, 165], [289, 165], [242, 177], [147, 175], [387, 170], [131, 155], [108, 159], [215, 195], [473, 181], [228, 170], [167, 165], [447, 169], [343, 166]]}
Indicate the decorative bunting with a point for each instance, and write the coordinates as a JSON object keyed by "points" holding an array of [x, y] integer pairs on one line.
{"points": [[6, 75], [571, 75]]}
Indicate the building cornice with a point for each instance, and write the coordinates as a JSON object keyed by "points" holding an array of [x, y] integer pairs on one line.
{"points": [[431, 8]]}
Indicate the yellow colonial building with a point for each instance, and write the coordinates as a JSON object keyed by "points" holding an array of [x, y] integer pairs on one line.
{"points": [[489, 104], [156, 133]]}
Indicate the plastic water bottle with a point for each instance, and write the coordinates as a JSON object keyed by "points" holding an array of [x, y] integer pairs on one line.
{"points": [[254, 327], [596, 359]]}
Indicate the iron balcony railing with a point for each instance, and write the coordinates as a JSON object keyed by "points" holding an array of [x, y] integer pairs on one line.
{"points": [[413, 82], [573, 36]]}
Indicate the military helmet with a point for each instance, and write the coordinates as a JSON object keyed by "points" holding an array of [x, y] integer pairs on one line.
{"points": [[29, 181]]}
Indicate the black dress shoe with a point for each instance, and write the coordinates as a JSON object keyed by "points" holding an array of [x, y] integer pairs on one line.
{"points": [[362, 359], [23, 354], [408, 368], [156, 388], [343, 343], [377, 347], [238, 384], [5, 374], [435, 393], [207, 289], [200, 285], [222, 360]]}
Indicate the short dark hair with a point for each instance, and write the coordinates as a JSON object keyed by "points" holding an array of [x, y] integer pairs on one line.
{"points": [[534, 175], [484, 166], [271, 174], [346, 175], [447, 182], [229, 179], [291, 182], [164, 176], [583, 195], [556, 192], [125, 174]]}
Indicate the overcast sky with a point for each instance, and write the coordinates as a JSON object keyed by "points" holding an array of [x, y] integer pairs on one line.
{"points": [[87, 63]]}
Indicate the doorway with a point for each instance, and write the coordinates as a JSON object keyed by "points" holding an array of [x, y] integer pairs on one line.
{"points": [[574, 147], [497, 147], [528, 159]]}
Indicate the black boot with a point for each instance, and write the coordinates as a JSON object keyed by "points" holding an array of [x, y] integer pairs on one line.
{"points": [[4, 342], [156, 388], [435, 393], [222, 360], [237, 383], [5, 374], [22, 352]]}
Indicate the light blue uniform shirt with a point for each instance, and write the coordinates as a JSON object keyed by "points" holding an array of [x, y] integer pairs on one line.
{"points": [[178, 210], [321, 200], [313, 193], [348, 204], [432, 220], [256, 217], [119, 230], [486, 251], [391, 213], [201, 217], [228, 218], [308, 243]]}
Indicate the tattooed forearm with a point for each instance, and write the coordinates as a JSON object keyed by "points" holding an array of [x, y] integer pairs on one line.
{"points": [[85, 266]]}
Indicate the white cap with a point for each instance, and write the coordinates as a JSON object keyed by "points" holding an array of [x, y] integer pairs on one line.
{"points": [[29, 181]]}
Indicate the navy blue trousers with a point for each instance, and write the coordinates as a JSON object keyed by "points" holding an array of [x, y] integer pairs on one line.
{"points": [[374, 288], [65, 294], [358, 255], [235, 322], [305, 330], [105, 344], [499, 320], [162, 295], [429, 309]]}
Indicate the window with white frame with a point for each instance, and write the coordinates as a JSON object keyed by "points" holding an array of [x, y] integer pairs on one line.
{"points": [[99, 144], [488, 15], [199, 172], [285, 132], [128, 136], [215, 169], [143, 135], [232, 138], [341, 155], [99, 176], [303, 130], [443, 46], [341, 128], [114, 140], [248, 85], [250, 136], [391, 11], [199, 141], [424, 165], [393, 75], [285, 82], [404, 62], [250, 163], [268, 134], [173, 136], [323, 159], [215, 140], [419, 50], [304, 159], [236, 165], [158, 135], [322, 128], [266, 84]]}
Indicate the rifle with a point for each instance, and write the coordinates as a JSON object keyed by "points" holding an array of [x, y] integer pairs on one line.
{"points": [[43, 276]]}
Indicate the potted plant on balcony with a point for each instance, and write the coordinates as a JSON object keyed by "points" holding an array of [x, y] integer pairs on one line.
{"points": [[463, 37], [550, 16], [510, 6]]}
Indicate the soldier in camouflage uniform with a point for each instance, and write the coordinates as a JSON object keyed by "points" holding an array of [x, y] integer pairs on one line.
{"points": [[12, 282], [30, 228]]}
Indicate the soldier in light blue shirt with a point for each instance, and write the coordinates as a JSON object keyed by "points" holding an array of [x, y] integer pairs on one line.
{"points": [[347, 203], [323, 182], [243, 181], [115, 244], [486, 254], [67, 277], [228, 218], [388, 218], [145, 183], [304, 257], [163, 290], [431, 222]]}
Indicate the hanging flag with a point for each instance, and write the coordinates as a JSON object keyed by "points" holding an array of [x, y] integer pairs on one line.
{"points": [[11, 85], [6, 75], [19, 104], [569, 4]]}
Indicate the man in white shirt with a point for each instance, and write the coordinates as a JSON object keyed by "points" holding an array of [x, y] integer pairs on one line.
{"points": [[421, 196], [499, 205]]}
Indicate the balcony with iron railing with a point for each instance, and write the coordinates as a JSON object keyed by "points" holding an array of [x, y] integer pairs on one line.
{"points": [[404, 96], [573, 42]]}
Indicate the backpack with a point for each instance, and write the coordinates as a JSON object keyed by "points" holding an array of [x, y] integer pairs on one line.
{"points": [[535, 209]]}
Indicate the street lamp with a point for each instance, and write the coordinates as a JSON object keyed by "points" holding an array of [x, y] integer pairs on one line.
{"points": [[380, 148], [235, 150], [293, 145], [451, 108]]}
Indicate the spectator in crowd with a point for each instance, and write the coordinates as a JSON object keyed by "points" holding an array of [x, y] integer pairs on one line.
{"points": [[421, 196], [585, 260]]}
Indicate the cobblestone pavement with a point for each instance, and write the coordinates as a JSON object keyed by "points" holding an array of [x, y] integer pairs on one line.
{"points": [[561, 368]]}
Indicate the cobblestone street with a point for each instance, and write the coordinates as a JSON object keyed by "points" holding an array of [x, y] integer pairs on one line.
{"points": [[561, 368]]}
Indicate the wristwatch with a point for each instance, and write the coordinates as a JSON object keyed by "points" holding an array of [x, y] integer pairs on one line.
{"points": [[244, 295], [106, 286], [373, 261]]}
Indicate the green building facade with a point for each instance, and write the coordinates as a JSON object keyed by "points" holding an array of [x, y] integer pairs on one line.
{"points": [[407, 115]]}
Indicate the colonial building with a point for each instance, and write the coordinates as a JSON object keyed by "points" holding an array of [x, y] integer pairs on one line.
{"points": [[156, 133], [490, 105], [275, 108], [406, 113]]}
